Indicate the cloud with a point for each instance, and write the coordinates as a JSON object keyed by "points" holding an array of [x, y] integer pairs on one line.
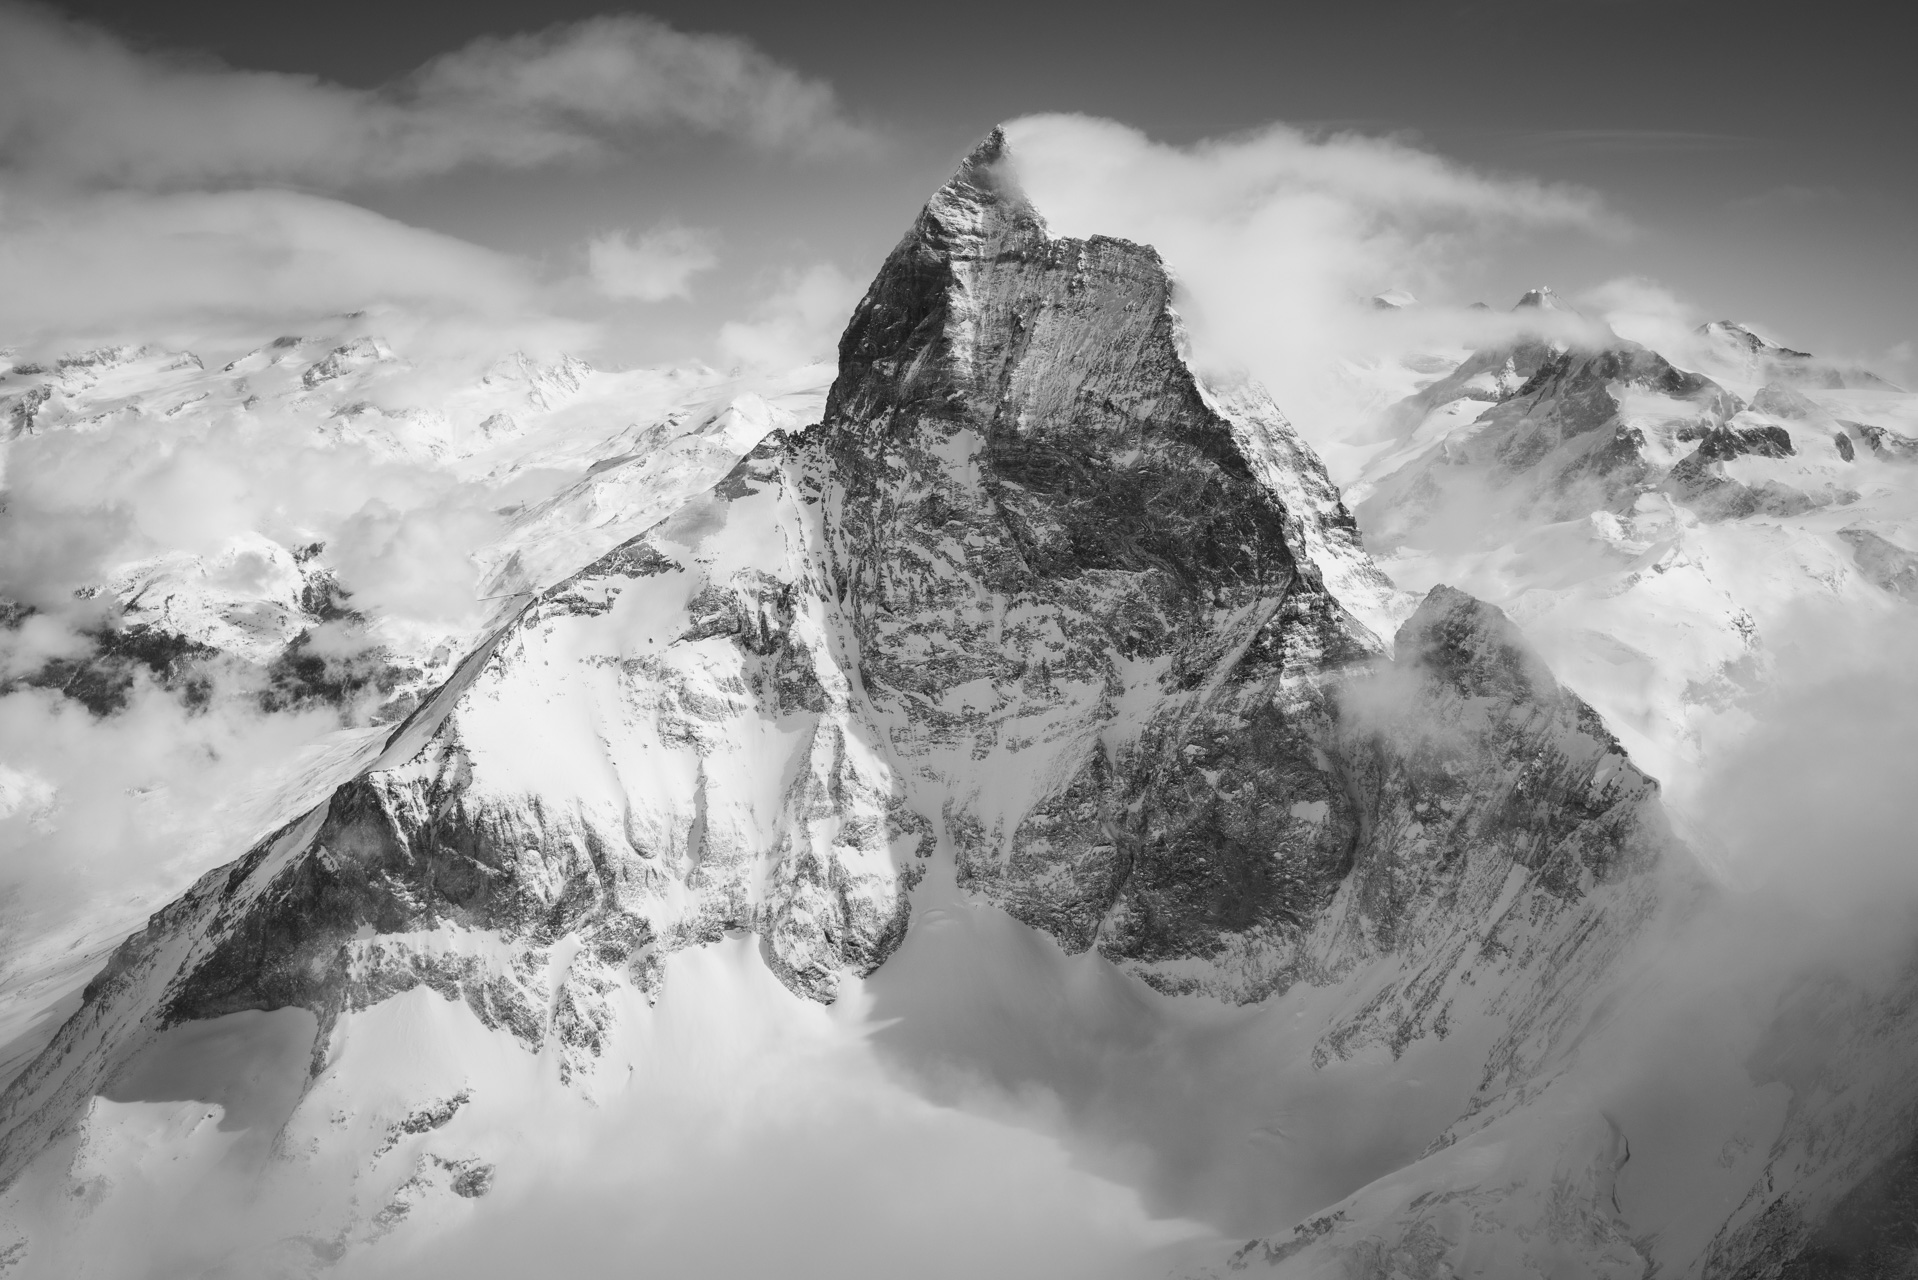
{"points": [[1075, 167], [757, 1108], [81, 504], [155, 266], [1812, 805], [799, 322], [101, 819], [77, 103], [728, 1132], [1278, 236], [652, 266], [627, 72], [1807, 819], [1645, 311]]}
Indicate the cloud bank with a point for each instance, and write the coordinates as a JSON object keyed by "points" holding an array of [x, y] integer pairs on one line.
{"points": [[799, 320], [652, 266], [1279, 237], [78, 104], [140, 266]]}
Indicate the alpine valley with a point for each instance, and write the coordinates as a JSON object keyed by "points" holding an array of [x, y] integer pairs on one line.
{"points": [[1006, 751]]}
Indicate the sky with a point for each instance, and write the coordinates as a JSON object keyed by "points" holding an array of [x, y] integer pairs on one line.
{"points": [[751, 163]]}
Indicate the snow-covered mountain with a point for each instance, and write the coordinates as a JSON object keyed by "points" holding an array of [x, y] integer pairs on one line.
{"points": [[1658, 532], [1030, 677], [1746, 354], [226, 531], [581, 459]]}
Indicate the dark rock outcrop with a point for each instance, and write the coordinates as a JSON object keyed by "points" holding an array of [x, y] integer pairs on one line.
{"points": [[1699, 480]]}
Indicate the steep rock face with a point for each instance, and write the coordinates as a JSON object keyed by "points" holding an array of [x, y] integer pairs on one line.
{"points": [[1491, 795], [1699, 480], [1061, 557], [656, 751], [1029, 597], [1484, 791], [1882, 441]]}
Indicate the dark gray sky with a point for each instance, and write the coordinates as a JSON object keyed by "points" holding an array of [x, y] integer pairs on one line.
{"points": [[1761, 155]]}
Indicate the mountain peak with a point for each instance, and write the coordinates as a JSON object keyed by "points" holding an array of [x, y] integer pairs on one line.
{"points": [[1544, 298], [1745, 336], [982, 191], [990, 149], [981, 325]]}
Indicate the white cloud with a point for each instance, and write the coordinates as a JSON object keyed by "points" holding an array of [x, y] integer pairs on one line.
{"points": [[629, 71], [652, 266], [77, 103], [801, 321], [1279, 236], [117, 813], [1645, 311], [1812, 804], [155, 266]]}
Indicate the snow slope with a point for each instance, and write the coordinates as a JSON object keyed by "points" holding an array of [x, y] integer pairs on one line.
{"points": [[1658, 535], [290, 549]]}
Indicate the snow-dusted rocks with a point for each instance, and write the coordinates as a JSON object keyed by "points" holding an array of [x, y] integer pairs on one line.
{"points": [[1589, 429], [1765, 361], [1655, 530], [580, 459]]}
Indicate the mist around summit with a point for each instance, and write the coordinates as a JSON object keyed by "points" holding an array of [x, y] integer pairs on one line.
{"points": [[1139, 733]]}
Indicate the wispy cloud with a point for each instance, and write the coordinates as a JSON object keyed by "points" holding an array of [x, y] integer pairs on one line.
{"points": [[799, 321], [1278, 236], [77, 103], [651, 266], [144, 266]]}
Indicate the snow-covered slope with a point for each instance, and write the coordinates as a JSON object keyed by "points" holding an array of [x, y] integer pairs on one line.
{"points": [[1740, 353], [1665, 538], [578, 460], [1655, 532], [236, 571]]}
